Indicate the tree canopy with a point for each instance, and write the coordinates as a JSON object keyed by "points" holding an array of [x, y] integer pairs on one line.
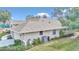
{"points": [[68, 16], [5, 15], [73, 14]]}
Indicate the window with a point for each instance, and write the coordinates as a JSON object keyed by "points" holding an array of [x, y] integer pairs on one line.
{"points": [[54, 32], [41, 32]]}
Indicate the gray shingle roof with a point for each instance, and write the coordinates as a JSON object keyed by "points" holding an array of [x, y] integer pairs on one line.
{"points": [[34, 25]]}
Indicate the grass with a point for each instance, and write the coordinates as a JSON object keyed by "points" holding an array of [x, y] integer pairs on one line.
{"points": [[64, 44], [2, 34], [13, 48]]}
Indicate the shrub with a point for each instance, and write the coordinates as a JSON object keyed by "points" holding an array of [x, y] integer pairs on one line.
{"points": [[2, 34], [8, 31], [61, 33], [18, 42], [29, 45], [37, 41]]}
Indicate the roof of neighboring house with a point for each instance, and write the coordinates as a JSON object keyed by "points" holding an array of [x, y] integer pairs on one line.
{"points": [[18, 28], [16, 22], [34, 25]]}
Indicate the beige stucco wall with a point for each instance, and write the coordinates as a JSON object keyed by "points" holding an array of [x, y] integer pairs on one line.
{"points": [[35, 35], [15, 35]]}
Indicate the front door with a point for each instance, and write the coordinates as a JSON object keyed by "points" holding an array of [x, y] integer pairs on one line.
{"points": [[45, 38]]}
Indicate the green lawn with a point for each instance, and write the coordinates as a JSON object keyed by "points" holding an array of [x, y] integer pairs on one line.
{"points": [[64, 44]]}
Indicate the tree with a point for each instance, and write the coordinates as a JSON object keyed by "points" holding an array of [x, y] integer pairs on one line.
{"points": [[68, 17], [4, 15], [73, 14], [59, 11], [44, 16], [29, 17]]}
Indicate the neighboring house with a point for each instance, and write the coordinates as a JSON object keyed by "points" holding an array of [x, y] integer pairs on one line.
{"points": [[4, 27], [42, 28], [9, 24]]}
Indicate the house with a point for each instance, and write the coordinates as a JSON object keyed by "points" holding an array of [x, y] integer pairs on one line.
{"points": [[42, 28], [4, 26]]}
